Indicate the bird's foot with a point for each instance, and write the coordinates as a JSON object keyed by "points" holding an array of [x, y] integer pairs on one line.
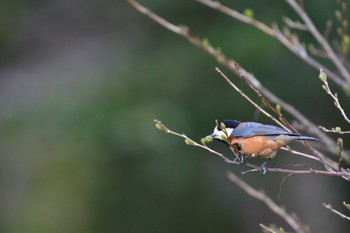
{"points": [[239, 160], [264, 168]]}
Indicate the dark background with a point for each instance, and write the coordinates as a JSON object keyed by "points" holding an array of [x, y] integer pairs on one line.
{"points": [[80, 85]]}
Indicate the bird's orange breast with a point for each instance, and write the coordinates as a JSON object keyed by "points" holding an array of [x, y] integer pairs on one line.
{"points": [[258, 146]]}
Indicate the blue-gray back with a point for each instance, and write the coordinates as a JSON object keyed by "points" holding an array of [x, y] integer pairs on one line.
{"points": [[250, 129]]}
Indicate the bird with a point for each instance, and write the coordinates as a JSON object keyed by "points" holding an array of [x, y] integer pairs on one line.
{"points": [[254, 140]]}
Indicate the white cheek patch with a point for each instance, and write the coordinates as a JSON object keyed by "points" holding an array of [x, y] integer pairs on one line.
{"points": [[229, 131], [220, 133]]}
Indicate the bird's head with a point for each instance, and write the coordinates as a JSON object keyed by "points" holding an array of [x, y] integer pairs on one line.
{"points": [[224, 129]]}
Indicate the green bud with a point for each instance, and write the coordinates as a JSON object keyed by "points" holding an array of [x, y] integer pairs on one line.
{"points": [[222, 126], [323, 76], [340, 142], [325, 88], [338, 15], [159, 126], [189, 142], [206, 140], [223, 138], [338, 130], [346, 205], [249, 13], [278, 108], [281, 230], [206, 43]]}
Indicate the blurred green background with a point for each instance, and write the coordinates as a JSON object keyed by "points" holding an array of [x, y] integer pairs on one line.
{"points": [[82, 81]]}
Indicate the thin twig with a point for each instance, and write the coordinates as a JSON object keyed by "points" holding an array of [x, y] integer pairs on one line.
{"points": [[340, 152], [334, 130], [334, 96], [281, 185], [294, 47], [191, 142], [295, 25], [328, 206], [303, 172], [266, 229], [318, 36], [301, 154], [293, 222]]}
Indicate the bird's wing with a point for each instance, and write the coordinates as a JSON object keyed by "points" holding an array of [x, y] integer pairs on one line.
{"points": [[250, 129]]}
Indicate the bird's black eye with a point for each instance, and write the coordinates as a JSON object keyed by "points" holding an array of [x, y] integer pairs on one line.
{"points": [[218, 128]]}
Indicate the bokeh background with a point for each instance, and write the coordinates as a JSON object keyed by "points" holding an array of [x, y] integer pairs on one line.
{"points": [[80, 85]]}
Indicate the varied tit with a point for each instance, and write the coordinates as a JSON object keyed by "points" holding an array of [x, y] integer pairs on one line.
{"points": [[255, 140]]}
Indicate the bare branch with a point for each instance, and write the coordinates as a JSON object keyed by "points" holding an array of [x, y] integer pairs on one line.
{"points": [[292, 221], [301, 154], [340, 150], [334, 96], [266, 229], [191, 142], [295, 25], [281, 185], [293, 46], [328, 206], [303, 172], [334, 130], [321, 40]]}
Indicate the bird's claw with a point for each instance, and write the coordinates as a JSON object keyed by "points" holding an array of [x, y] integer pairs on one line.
{"points": [[239, 160], [264, 168]]}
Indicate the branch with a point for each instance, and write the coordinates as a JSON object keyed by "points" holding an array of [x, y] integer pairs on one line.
{"points": [[191, 142], [295, 25], [292, 221], [328, 206], [301, 154], [266, 229], [337, 130], [293, 46], [303, 172], [317, 35], [334, 96]]}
